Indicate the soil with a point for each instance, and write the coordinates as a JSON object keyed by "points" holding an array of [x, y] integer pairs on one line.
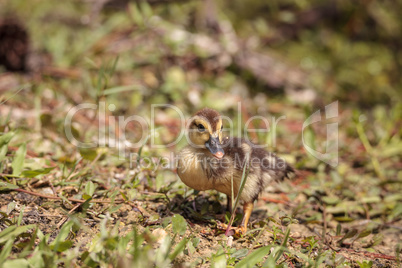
{"points": [[49, 215]]}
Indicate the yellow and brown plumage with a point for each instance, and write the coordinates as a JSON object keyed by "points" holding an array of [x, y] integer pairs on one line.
{"points": [[210, 161]]}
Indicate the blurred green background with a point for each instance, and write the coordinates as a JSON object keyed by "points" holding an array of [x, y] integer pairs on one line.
{"points": [[347, 51]]}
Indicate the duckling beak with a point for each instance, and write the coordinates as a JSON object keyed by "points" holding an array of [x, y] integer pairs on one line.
{"points": [[214, 146]]}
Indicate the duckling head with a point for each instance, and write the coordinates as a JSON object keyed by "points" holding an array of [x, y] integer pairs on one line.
{"points": [[205, 131]]}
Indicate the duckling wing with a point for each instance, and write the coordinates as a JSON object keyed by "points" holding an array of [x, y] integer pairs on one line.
{"points": [[264, 167]]}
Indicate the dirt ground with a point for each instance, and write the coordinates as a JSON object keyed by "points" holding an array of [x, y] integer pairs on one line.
{"points": [[50, 215]]}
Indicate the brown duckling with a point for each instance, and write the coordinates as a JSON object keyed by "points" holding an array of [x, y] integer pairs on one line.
{"points": [[211, 161]]}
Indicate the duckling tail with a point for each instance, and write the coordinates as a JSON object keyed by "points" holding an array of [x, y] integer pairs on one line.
{"points": [[290, 172]]}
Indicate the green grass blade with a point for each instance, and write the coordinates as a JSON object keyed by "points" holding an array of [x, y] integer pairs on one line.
{"points": [[254, 257], [5, 251], [115, 90], [18, 162], [21, 215], [246, 170], [179, 248], [140, 150], [283, 245]]}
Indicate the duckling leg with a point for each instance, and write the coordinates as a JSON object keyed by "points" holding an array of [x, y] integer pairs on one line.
{"points": [[228, 208], [229, 204], [247, 208]]}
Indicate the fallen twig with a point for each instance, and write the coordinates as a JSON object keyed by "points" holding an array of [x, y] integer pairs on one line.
{"points": [[65, 218], [277, 201], [371, 255]]}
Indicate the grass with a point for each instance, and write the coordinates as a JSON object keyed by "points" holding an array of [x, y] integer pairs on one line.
{"points": [[66, 206]]}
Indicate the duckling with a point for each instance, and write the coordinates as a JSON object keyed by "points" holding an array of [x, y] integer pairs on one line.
{"points": [[211, 161]]}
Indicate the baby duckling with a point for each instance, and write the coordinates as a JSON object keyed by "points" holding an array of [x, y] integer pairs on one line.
{"points": [[211, 161]]}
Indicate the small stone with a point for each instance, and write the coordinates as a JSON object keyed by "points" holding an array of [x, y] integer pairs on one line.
{"points": [[160, 234], [230, 241]]}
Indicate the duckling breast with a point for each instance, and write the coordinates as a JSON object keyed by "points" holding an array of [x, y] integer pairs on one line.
{"points": [[191, 169], [198, 169]]}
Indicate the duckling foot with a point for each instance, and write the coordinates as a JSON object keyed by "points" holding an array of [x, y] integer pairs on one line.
{"points": [[233, 231], [240, 231], [222, 226], [237, 232]]}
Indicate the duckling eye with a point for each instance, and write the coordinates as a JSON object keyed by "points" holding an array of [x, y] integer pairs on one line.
{"points": [[221, 127], [201, 128]]}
